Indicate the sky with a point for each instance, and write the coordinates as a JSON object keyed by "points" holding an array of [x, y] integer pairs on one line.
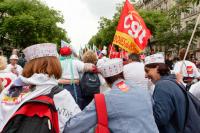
{"points": [[82, 16]]}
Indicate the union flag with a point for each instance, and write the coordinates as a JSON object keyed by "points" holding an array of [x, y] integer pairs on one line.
{"points": [[132, 33]]}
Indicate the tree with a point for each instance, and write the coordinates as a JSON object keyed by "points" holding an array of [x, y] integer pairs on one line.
{"points": [[27, 22], [156, 21], [182, 33], [196, 1], [166, 27]]}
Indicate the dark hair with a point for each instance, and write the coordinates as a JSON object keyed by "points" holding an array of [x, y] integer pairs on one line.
{"points": [[163, 69], [134, 57], [182, 54], [111, 80]]}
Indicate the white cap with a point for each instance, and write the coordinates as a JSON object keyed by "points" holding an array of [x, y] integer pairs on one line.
{"points": [[104, 52], [40, 50], [155, 58], [111, 67], [14, 57]]}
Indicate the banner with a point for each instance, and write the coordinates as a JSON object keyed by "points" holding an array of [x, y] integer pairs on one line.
{"points": [[132, 33]]}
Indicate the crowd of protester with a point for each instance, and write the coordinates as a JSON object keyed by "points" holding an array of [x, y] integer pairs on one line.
{"points": [[141, 96]]}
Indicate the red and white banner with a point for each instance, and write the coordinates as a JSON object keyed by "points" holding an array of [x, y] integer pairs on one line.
{"points": [[132, 33]]}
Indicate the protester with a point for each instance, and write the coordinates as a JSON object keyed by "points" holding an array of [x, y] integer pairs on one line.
{"points": [[169, 101], [6, 77], [71, 68], [41, 73], [13, 66], [91, 57], [129, 107], [134, 71], [189, 69]]}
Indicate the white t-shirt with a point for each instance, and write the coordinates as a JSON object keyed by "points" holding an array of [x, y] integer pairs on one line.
{"points": [[189, 69], [18, 68], [77, 67], [195, 90], [134, 72]]}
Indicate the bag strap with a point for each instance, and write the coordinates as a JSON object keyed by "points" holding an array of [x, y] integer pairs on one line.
{"points": [[46, 99], [101, 110], [56, 89]]}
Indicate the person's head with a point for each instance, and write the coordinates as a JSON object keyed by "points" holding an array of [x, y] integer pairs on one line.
{"points": [[42, 58], [182, 54], [14, 59], [3, 62], [155, 67], [90, 57], [134, 57], [112, 70]]}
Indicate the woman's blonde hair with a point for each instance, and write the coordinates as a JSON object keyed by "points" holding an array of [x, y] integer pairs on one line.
{"points": [[47, 65], [3, 62], [90, 57]]}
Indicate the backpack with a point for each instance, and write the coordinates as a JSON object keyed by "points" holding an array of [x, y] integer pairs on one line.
{"points": [[192, 119], [102, 124], [37, 115], [90, 84]]}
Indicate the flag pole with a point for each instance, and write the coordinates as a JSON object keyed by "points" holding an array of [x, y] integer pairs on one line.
{"points": [[188, 47]]}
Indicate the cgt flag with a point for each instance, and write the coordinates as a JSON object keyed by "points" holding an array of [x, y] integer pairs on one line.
{"points": [[132, 33]]}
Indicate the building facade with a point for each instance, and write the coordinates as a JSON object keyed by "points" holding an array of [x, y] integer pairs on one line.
{"points": [[165, 5]]}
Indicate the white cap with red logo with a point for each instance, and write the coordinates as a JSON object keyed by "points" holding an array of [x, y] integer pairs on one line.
{"points": [[111, 67], [155, 58], [40, 50]]}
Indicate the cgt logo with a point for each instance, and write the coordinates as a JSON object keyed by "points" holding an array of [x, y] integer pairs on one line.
{"points": [[135, 30], [189, 69], [5, 82]]}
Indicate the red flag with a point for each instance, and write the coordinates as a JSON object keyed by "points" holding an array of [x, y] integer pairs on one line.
{"points": [[132, 33], [111, 49], [115, 55], [124, 54]]}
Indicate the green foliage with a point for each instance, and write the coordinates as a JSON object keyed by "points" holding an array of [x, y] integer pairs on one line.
{"points": [[27, 22], [181, 33], [156, 21], [196, 1], [166, 27]]}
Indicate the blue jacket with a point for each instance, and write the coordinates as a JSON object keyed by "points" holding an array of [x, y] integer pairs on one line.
{"points": [[128, 112], [169, 105]]}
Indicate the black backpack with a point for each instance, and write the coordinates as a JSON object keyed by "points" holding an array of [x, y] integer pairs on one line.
{"points": [[192, 119], [37, 115], [90, 84]]}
